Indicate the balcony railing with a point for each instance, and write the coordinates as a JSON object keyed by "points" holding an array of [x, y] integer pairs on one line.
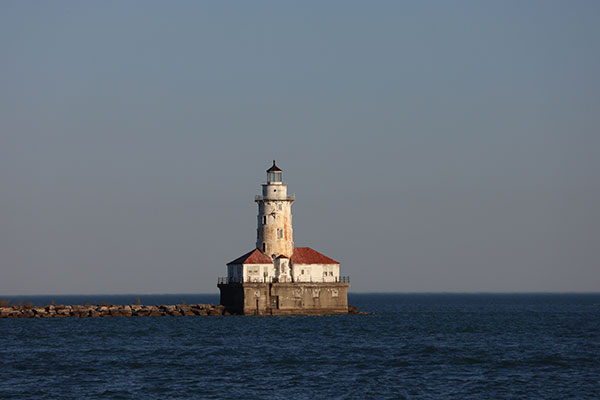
{"points": [[290, 197], [250, 279]]}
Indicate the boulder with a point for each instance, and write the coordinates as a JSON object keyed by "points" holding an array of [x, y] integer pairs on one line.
{"points": [[141, 311], [81, 311], [40, 311], [120, 311], [135, 308], [63, 312], [126, 311], [5, 312], [168, 309]]}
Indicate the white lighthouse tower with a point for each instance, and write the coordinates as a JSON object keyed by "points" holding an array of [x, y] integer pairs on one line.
{"points": [[274, 233]]}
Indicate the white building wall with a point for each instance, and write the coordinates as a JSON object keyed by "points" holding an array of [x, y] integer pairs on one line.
{"points": [[299, 272], [316, 272], [258, 272]]}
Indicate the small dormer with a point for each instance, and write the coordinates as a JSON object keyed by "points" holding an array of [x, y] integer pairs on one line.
{"points": [[274, 174]]}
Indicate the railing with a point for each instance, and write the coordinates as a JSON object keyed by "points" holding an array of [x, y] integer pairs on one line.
{"points": [[225, 280], [290, 197]]}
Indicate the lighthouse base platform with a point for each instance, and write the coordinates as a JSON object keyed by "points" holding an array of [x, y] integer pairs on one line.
{"points": [[291, 298]]}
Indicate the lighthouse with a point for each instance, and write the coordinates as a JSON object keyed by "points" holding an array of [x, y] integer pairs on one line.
{"points": [[274, 233], [276, 277]]}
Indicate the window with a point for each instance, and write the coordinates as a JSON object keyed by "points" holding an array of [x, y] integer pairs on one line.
{"points": [[274, 177], [279, 233], [264, 247], [253, 270], [264, 220], [280, 206]]}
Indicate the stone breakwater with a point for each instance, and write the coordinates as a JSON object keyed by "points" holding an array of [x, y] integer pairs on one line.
{"points": [[109, 310]]}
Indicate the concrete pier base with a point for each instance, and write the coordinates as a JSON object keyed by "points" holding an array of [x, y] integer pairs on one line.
{"points": [[301, 298]]}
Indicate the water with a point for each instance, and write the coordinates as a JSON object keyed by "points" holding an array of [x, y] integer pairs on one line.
{"points": [[477, 346]]}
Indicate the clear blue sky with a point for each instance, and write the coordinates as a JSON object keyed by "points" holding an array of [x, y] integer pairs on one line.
{"points": [[432, 146]]}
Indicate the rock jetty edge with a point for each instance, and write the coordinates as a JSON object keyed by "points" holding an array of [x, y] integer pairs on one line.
{"points": [[109, 310]]}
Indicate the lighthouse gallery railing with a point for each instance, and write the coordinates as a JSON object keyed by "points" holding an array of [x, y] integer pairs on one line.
{"points": [[225, 280], [291, 197]]}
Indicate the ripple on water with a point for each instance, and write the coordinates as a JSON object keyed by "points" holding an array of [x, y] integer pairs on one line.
{"points": [[415, 347]]}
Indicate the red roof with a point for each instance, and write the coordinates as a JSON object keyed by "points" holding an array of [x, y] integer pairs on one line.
{"points": [[253, 257], [306, 255]]}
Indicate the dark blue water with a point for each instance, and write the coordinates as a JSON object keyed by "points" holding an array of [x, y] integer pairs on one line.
{"points": [[434, 346]]}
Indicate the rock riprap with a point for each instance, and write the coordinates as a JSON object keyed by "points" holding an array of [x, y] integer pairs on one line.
{"points": [[110, 310]]}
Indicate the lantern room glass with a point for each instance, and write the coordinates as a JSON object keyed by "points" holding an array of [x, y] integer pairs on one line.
{"points": [[273, 177]]}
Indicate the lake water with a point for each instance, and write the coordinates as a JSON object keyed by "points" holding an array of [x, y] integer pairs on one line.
{"points": [[416, 346]]}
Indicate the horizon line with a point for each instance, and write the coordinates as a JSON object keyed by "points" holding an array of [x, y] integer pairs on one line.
{"points": [[359, 292]]}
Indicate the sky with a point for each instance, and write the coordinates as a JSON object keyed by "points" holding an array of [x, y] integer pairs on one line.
{"points": [[432, 146]]}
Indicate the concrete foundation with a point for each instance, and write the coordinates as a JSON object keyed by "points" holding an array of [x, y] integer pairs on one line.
{"points": [[285, 298]]}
